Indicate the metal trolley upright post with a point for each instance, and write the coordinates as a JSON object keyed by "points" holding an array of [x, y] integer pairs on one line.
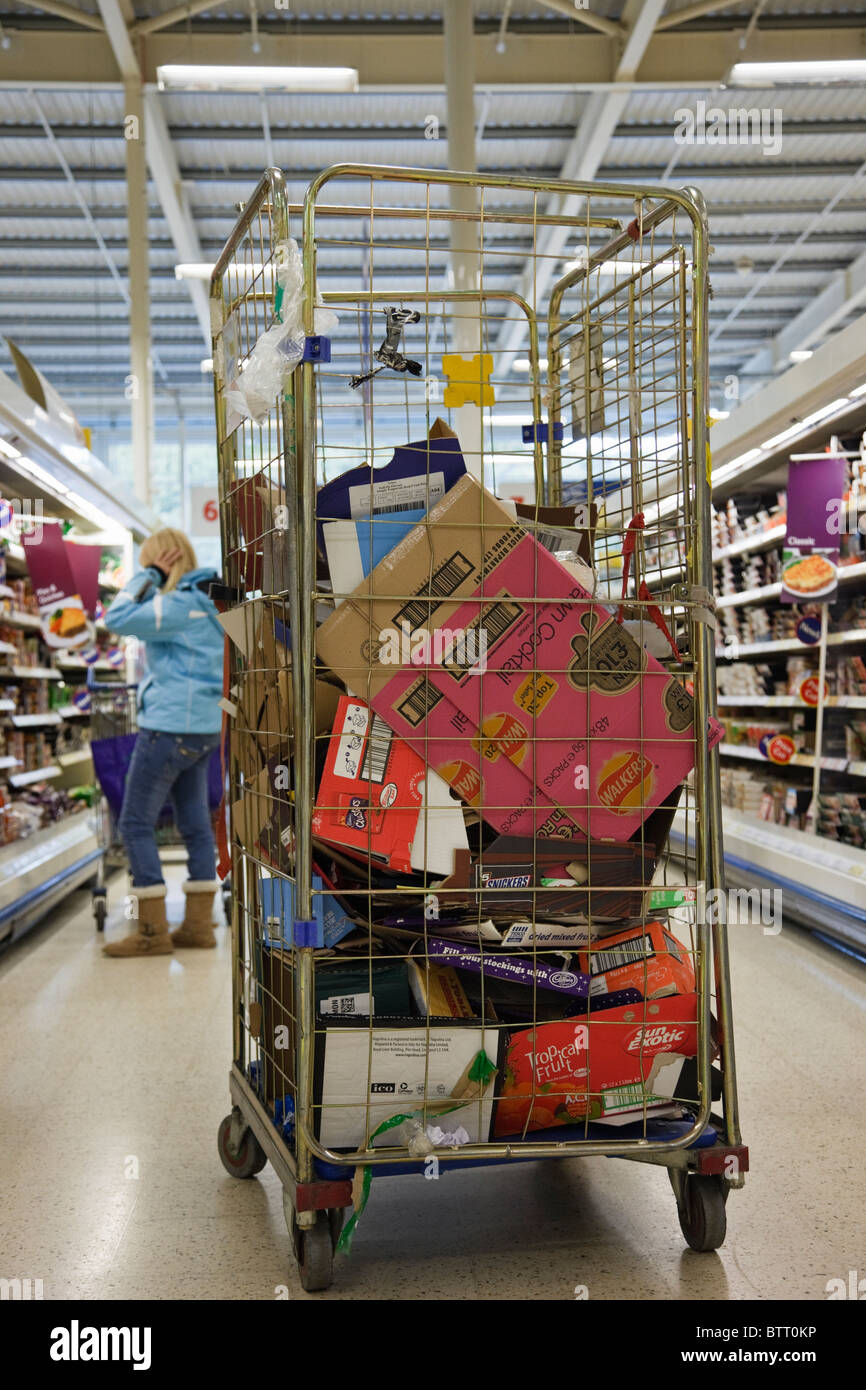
{"points": [[461, 720]]}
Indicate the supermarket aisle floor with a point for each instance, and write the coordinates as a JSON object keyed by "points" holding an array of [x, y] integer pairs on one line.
{"points": [[117, 1079]]}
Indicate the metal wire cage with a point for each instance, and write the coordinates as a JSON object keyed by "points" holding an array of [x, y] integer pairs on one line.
{"points": [[375, 617]]}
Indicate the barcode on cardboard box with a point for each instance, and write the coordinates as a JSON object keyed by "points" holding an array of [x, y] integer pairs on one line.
{"points": [[443, 582], [418, 701], [347, 1004], [377, 751], [480, 635], [626, 953], [623, 1098]]}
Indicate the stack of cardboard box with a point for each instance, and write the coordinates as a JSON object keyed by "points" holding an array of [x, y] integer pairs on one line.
{"points": [[498, 764]]}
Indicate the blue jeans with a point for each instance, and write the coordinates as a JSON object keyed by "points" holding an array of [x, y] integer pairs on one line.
{"points": [[167, 766]]}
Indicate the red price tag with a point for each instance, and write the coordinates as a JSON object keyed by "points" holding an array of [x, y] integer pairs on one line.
{"points": [[780, 749], [211, 510], [810, 690]]}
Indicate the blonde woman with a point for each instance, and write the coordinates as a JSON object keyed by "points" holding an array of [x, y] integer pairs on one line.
{"points": [[166, 604]]}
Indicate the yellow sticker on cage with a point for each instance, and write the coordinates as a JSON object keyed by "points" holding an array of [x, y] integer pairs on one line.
{"points": [[468, 379]]}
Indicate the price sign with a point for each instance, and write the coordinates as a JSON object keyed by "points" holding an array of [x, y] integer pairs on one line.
{"points": [[810, 690], [778, 748], [204, 511]]}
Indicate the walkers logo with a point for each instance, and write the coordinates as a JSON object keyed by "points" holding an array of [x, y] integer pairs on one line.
{"points": [[464, 778], [625, 782], [655, 1037], [76, 1343], [502, 733]]}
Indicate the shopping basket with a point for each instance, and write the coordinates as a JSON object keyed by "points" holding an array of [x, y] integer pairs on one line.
{"points": [[472, 687], [114, 729]]}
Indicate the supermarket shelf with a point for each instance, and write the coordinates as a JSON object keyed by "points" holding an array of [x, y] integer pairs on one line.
{"points": [[752, 543], [37, 872], [25, 620], [857, 768], [9, 762], [743, 750], [39, 774], [6, 592], [7, 649], [760, 854], [73, 712], [29, 673], [736, 651], [75, 663], [792, 701], [846, 575], [34, 721], [81, 755], [7, 706]]}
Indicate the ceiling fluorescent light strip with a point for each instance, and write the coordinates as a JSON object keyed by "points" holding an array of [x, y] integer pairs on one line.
{"points": [[255, 78]]}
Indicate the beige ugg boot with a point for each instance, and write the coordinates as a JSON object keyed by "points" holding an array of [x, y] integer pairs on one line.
{"points": [[197, 926], [152, 936]]}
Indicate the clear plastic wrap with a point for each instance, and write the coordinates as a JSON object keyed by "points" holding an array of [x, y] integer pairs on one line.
{"points": [[279, 350]]}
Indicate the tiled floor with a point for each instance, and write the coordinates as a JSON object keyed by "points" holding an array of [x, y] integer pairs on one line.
{"points": [[115, 1079]]}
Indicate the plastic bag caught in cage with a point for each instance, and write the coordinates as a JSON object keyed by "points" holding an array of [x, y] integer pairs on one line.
{"points": [[279, 349]]}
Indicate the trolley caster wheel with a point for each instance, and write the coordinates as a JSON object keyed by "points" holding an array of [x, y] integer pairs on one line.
{"points": [[314, 1250], [245, 1161], [100, 912], [701, 1211]]}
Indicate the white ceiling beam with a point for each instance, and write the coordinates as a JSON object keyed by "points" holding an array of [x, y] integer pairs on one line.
{"points": [[175, 204], [162, 162], [583, 16], [845, 293], [670, 21], [170, 17], [585, 153]]}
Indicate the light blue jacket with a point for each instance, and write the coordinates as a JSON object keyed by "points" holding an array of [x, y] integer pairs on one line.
{"points": [[184, 647]]}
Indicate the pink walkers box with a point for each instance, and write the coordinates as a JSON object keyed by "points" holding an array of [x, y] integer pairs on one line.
{"points": [[563, 694], [534, 705]]}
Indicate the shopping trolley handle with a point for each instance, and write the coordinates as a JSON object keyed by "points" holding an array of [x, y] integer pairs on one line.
{"points": [[93, 684]]}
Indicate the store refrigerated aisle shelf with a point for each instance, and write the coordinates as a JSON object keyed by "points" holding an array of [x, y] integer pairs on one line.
{"points": [[35, 721], [745, 750], [845, 573], [760, 854], [793, 701], [29, 673], [37, 872], [38, 774], [736, 651]]}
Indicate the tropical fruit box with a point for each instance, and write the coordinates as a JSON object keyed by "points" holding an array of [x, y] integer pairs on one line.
{"points": [[594, 1068]]}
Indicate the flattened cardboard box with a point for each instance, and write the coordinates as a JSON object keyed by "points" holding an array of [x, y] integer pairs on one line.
{"points": [[478, 733]]}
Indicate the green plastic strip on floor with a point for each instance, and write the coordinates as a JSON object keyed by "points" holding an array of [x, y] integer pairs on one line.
{"points": [[480, 1072]]}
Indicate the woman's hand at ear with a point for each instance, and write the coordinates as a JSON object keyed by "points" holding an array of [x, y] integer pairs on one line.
{"points": [[166, 560]]}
